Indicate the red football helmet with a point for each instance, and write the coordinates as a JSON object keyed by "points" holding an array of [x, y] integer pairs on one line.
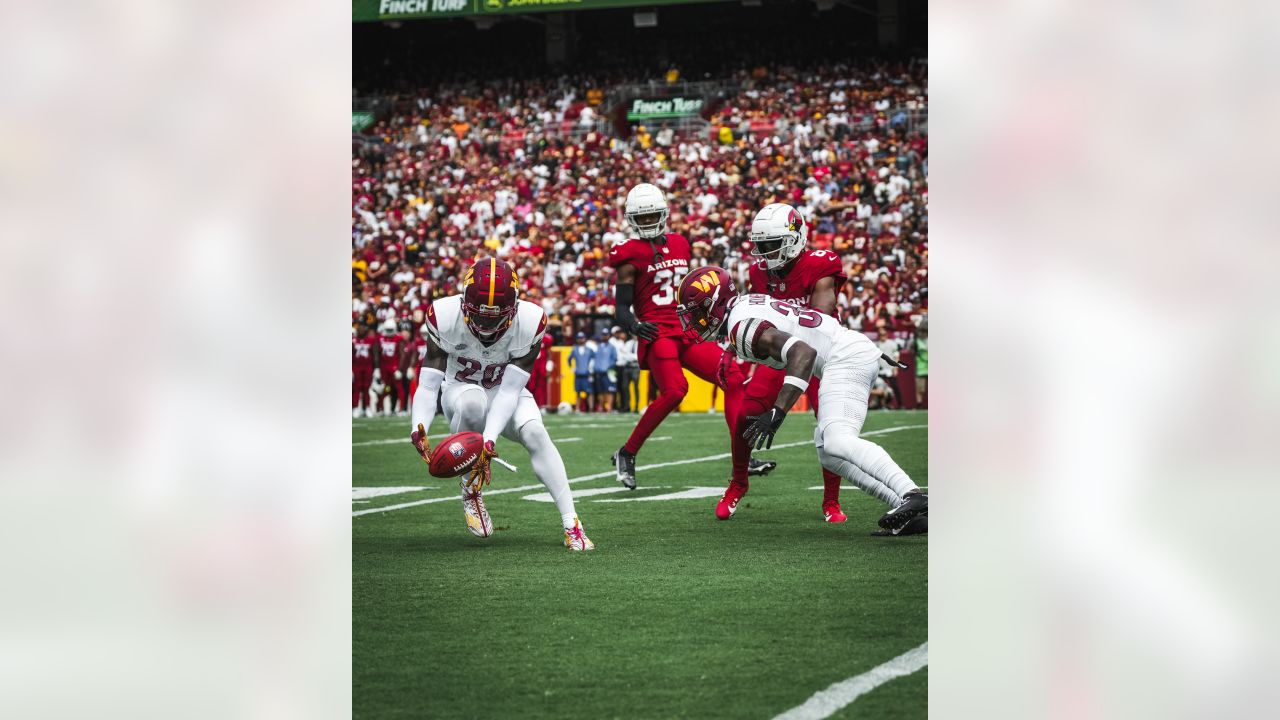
{"points": [[489, 295], [704, 298]]}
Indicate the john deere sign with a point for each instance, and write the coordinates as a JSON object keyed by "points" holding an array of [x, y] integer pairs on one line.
{"points": [[668, 107], [373, 10]]}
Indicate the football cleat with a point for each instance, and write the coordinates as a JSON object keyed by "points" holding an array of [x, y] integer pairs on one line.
{"points": [[626, 464], [575, 539], [831, 512], [355, 412], [728, 504], [918, 525], [913, 503], [760, 467], [476, 513]]}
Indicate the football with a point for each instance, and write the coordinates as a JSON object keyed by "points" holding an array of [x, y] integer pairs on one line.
{"points": [[454, 455]]}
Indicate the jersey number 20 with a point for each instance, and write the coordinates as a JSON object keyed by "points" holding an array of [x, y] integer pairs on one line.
{"points": [[489, 378]]}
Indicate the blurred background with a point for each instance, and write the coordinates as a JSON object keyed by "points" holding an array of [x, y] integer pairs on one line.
{"points": [[488, 131]]}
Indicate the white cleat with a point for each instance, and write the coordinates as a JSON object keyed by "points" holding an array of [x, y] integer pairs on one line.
{"points": [[355, 412], [575, 539], [478, 522]]}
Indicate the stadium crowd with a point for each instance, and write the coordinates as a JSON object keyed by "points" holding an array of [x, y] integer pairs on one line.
{"points": [[529, 170]]}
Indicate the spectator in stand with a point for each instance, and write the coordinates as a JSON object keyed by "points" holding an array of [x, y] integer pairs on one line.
{"points": [[888, 371], [509, 167], [580, 360], [627, 368], [922, 363], [603, 363]]}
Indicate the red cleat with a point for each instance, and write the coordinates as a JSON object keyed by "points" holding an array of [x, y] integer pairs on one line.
{"points": [[728, 504], [831, 512]]}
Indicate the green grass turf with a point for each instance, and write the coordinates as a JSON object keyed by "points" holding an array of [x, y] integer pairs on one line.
{"points": [[674, 615]]}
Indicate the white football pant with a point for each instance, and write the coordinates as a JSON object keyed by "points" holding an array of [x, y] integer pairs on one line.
{"points": [[465, 408], [842, 409]]}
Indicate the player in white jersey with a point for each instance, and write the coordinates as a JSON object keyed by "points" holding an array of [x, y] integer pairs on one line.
{"points": [[481, 346], [807, 343]]}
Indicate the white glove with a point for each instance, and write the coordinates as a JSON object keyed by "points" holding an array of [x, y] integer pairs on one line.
{"points": [[550, 366], [399, 375]]}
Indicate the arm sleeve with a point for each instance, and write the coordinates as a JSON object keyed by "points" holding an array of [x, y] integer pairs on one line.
{"points": [[504, 402], [625, 294], [424, 398]]}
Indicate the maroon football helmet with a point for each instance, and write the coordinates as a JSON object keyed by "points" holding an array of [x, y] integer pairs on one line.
{"points": [[704, 298], [489, 295]]}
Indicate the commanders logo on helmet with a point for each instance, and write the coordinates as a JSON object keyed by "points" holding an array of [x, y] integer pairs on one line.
{"points": [[490, 292]]}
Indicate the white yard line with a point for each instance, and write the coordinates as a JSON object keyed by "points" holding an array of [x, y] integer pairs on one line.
{"points": [[825, 703], [612, 473], [693, 492], [562, 440]]}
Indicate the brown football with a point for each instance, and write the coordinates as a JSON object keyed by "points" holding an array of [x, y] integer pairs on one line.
{"points": [[454, 455]]}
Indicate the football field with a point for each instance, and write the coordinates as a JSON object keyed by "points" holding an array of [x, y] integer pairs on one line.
{"points": [[674, 614]]}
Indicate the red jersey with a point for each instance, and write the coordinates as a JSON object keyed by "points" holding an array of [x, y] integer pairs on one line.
{"points": [[390, 346], [362, 352], [801, 278], [659, 270], [418, 354]]}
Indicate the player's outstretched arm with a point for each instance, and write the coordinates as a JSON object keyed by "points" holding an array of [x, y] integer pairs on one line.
{"points": [[430, 376], [624, 316], [799, 358]]}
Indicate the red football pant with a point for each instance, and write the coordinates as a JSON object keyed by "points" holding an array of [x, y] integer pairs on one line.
{"points": [[360, 387], [754, 398], [667, 357]]}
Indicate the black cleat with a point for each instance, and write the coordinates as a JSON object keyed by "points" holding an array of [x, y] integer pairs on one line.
{"points": [[626, 464], [760, 467], [913, 503], [918, 525]]}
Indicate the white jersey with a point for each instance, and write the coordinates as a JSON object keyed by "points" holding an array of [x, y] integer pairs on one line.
{"points": [[471, 361], [750, 315]]}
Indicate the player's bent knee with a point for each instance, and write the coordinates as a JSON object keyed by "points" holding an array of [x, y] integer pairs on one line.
{"points": [[839, 443]]}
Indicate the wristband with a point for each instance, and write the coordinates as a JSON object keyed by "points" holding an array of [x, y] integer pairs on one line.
{"points": [[798, 382], [786, 347]]}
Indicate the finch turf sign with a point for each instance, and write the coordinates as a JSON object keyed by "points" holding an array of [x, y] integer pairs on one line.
{"points": [[668, 107]]}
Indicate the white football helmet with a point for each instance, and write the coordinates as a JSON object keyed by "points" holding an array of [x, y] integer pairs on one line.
{"points": [[778, 234], [647, 211], [389, 327]]}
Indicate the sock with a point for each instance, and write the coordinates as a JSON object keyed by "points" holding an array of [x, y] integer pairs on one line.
{"points": [[548, 467], [830, 486], [853, 474], [866, 464]]}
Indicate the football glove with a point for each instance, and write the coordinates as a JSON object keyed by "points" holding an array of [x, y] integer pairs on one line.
{"points": [[481, 473], [760, 432], [644, 330], [419, 439]]}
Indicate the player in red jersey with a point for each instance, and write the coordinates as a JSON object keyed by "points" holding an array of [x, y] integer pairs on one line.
{"points": [[785, 270], [650, 268], [541, 372], [415, 350], [390, 348], [364, 358]]}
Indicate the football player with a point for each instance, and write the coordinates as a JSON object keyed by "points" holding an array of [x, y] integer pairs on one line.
{"points": [[784, 269], [364, 360], [650, 267], [805, 344], [481, 346], [390, 347]]}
